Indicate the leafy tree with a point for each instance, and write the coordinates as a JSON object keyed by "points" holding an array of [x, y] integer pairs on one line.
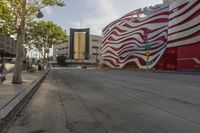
{"points": [[23, 12], [41, 35], [61, 60], [6, 19]]}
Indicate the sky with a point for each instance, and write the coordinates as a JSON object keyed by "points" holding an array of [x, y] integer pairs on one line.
{"points": [[93, 14]]}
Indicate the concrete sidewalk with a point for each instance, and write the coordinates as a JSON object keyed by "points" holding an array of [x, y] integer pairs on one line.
{"points": [[14, 96], [9, 91]]}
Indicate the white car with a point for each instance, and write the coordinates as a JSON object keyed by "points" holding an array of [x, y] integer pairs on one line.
{"points": [[79, 67]]}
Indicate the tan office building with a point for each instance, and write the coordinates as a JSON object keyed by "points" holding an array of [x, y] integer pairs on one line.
{"points": [[80, 48]]}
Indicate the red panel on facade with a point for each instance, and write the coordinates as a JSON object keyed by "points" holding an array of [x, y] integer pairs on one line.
{"points": [[168, 61], [188, 56], [182, 57]]}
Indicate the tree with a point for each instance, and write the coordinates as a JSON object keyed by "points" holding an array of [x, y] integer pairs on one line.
{"points": [[24, 11], [41, 35], [6, 19], [61, 60]]}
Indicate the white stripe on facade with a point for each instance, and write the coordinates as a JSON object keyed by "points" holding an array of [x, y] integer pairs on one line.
{"points": [[194, 59]]}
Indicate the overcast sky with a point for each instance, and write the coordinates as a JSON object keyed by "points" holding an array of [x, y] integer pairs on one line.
{"points": [[95, 14]]}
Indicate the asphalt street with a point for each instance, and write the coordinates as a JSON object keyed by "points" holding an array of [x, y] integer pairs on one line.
{"points": [[96, 101]]}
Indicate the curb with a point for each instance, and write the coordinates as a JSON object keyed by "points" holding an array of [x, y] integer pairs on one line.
{"points": [[176, 72], [154, 71], [9, 112]]}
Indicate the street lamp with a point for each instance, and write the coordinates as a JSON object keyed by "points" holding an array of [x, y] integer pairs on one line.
{"points": [[39, 14]]}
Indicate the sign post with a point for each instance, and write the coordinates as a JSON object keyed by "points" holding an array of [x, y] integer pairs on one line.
{"points": [[147, 56], [147, 47]]}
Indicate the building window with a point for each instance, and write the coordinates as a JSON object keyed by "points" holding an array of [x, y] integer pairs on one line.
{"points": [[95, 47], [95, 40], [95, 53]]}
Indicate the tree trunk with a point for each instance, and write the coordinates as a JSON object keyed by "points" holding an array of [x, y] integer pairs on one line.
{"points": [[17, 76]]}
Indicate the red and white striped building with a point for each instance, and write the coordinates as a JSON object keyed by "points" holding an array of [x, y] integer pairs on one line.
{"points": [[172, 29]]}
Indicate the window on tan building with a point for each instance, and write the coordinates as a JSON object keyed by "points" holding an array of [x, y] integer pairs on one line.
{"points": [[95, 47], [95, 53], [95, 40]]}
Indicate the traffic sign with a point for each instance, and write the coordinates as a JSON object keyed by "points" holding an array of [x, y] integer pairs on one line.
{"points": [[147, 57], [147, 47], [147, 53]]}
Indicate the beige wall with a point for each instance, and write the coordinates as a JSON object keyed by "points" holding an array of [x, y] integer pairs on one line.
{"points": [[95, 47], [62, 49]]}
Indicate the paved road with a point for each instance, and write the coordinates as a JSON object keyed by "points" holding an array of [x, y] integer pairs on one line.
{"points": [[90, 101]]}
